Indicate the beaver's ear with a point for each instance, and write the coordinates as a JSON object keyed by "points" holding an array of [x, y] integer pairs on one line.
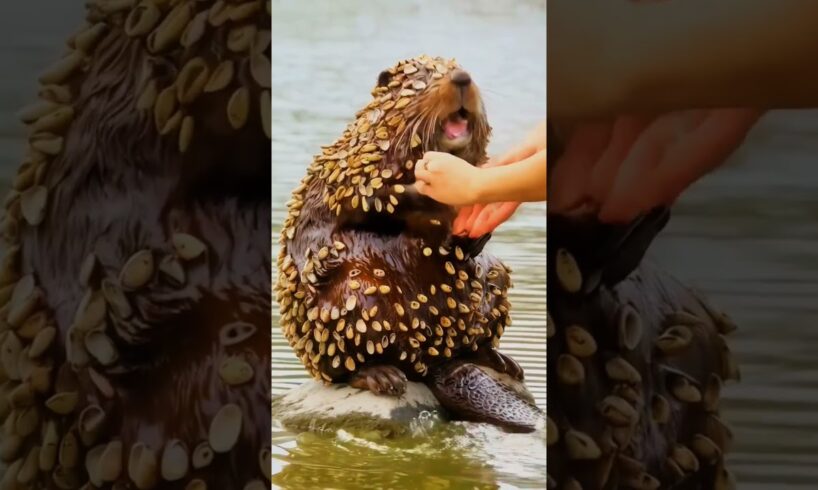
{"points": [[384, 78]]}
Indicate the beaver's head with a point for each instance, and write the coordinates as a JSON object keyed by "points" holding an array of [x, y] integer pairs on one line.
{"points": [[433, 104], [421, 104]]}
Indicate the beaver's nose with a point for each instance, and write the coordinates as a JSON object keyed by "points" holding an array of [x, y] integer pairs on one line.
{"points": [[461, 78]]}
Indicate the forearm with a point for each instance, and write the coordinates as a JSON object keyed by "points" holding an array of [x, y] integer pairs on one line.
{"points": [[523, 181], [625, 56]]}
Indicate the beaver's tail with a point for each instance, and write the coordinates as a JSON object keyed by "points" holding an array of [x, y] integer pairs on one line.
{"points": [[478, 394]]}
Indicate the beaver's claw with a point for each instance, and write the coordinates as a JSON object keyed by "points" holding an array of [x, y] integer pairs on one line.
{"points": [[381, 380], [500, 362]]}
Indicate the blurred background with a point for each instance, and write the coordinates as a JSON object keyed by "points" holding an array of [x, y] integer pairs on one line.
{"points": [[746, 236], [326, 58]]}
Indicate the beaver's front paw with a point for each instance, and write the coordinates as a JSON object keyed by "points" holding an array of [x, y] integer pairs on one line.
{"points": [[500, 362], [381, 380]]}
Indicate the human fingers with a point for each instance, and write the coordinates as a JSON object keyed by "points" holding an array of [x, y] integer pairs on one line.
{"points": [[490, 219]]}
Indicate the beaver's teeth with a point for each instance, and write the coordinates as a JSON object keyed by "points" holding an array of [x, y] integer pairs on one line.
{"points": [[89, 424], [674, 339], [33, 203], [143, 466], [170, 30], [142, 19], [570, 370], [175, 461], [221, 77], [101, 347], [165, 107], [62, 69], [629, 328], [102, 383], [264, 102], [684, 390], [63, 403], [49, 449], [568, 273], [68, 455], [705, 448], [196, 484], [235, 371], [712, 393], [580, 445]]}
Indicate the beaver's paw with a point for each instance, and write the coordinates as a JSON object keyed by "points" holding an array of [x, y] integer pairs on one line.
{"points": [[500, 362], [381, 380]]}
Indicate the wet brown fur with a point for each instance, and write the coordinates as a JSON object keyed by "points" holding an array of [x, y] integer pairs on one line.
{"points": [[330, 244]]}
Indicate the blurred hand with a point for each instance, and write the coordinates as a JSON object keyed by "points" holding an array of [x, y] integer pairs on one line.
{"points": [[631, 164]]}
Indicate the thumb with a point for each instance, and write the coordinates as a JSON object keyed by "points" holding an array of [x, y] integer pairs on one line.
{"points": [[421, 187]]}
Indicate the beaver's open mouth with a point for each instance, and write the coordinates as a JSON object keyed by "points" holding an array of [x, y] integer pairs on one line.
{"points": [[455, 131]]}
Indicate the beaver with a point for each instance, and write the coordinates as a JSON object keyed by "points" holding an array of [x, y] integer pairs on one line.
{"points": [[373, 288], [636, 363], [135, 286]]}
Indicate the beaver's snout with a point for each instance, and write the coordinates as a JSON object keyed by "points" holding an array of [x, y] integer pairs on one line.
{"points": [[461, 78]]}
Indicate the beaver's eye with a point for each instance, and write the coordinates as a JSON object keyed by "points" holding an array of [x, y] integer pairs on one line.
{"points": [[383, 78]]}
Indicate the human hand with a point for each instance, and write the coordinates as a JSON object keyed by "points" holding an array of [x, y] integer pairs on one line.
{"points": [[626, 166], [479, 219], [447, 179]]}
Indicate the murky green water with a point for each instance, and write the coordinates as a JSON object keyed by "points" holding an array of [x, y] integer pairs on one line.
{"points": [[327, 56]]}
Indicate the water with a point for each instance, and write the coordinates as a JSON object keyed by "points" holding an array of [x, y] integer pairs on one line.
{"points": [[327, 57]]}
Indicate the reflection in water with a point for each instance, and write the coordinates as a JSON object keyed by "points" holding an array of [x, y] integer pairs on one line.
{"points": [[326, 59]]}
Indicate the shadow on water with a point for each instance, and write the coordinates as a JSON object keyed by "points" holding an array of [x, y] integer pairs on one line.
{"points": [[326, 59]]}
